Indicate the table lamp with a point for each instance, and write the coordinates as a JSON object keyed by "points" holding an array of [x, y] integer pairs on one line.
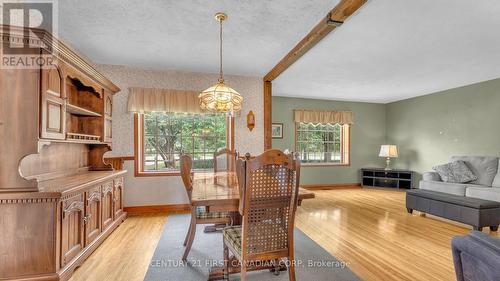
{"points": [[388, 151]]}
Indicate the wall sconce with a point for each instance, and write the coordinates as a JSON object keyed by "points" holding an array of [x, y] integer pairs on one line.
{"points": [[250, 120]]}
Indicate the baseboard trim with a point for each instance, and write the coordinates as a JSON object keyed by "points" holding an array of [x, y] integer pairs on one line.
{"points": [[136, 210], [331, 186]]}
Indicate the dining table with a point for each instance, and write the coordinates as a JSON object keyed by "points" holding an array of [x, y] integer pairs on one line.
{"points": [[219, 192]]}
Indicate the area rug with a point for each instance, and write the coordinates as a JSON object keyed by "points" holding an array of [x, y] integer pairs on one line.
{"points": [[313, 262]]}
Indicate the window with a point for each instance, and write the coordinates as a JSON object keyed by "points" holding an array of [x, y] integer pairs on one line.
{"points": [[162, 137], [322, 144]]}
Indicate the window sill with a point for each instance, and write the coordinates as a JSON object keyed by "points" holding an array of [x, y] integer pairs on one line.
{"points": [[167, 174], [156, 174], [325, 164]]}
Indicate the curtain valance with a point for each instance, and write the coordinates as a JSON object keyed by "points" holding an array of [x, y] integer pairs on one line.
{"points": [[323, 117], [163, 100]]}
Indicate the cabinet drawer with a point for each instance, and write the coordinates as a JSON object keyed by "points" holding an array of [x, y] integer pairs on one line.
{"points": [[72, 227], [107, 204], [92, 219], [118, 197]]}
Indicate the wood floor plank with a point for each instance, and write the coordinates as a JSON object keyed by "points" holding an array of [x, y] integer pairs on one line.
{"points": [[367, 228], [371, 231], [127, 252]]}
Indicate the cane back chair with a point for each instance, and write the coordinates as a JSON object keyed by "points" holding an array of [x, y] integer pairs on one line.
{"points": [[199, 214], [225, 160], [268, 200]]}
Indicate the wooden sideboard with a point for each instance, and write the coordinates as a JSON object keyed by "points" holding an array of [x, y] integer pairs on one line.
{"points": [[59, 200], [47, 234]]}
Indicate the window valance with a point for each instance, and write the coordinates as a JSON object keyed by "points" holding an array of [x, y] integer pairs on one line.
{"points": [[163, 100], [323, 117]]}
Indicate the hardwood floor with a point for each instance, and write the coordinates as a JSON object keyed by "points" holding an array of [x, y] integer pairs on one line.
{"points": [[127, 252], [371, 231], [367, 228]]}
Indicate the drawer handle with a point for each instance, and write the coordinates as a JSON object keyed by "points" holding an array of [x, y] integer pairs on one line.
{"points": [[87, 218]]}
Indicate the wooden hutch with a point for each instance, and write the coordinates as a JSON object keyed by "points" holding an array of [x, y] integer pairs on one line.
{"points": [[59, 200]]}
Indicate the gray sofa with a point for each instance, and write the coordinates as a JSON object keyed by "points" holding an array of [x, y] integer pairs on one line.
{"points": [[476, 257], [486, 187]]}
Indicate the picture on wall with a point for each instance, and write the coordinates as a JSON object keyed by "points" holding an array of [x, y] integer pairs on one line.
{"points": [[277, 131]]}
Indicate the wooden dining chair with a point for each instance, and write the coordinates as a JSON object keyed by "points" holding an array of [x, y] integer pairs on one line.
{"points": [[225, 160], [199, 214], [268, 200]]}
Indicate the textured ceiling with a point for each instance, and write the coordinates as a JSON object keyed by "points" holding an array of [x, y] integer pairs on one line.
{"points": [[396, 49], [184, 35], [389, 50]]}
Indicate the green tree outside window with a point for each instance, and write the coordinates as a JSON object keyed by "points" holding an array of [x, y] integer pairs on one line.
{"points": [[167, 135]]}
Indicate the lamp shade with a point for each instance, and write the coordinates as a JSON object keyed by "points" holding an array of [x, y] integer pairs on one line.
{"points": [[388, 150], [221, 98]]}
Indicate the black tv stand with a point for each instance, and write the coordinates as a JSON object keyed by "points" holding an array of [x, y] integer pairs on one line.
{"points": [[379, 177]]}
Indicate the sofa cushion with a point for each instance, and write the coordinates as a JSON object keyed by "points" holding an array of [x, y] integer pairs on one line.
{"points": [[485, 193], [445, 187], [496, 180], [456, 172], [484, 167]]}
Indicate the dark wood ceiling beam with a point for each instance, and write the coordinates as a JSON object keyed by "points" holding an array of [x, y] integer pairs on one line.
{"points": [[268, 118], [334, 19]]}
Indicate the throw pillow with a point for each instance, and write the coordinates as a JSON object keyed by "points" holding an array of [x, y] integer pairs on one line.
{"points": [[456, 172], [484, 167]]}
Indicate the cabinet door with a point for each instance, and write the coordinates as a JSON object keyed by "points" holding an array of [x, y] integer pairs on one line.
{"points": [[72, 241], [108, 117], [93, 209], [118, 197], [107, 205], [53, 107]]}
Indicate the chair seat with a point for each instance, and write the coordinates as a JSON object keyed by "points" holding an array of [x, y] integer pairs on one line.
{"points": [[201, 213], [232, 234]]}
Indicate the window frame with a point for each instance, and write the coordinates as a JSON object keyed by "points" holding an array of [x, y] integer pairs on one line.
{"points": [[345, 149], [139, 147]]}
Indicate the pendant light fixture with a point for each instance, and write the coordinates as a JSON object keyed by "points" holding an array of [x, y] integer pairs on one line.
{"points": [[221, 98]]}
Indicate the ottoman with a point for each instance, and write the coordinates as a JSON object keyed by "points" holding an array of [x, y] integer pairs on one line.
{"points": [[472, 211]]}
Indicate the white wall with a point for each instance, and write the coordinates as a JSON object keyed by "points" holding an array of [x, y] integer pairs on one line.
{"points": [[140, 191]]}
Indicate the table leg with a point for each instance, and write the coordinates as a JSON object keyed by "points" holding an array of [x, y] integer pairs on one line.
{"points": [[236, 218]]}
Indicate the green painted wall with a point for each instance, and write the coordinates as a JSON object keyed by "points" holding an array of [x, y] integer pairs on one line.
{"points": [[367, 134], [461, 121], [427, 129]]}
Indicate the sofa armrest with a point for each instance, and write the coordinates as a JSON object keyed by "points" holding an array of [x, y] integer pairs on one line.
{"points": [[493, 243], [431, 176], [476, 257]]}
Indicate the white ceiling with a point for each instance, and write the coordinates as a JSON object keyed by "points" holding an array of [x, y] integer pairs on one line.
{"points": [[389, 50], [183, 34], [396, 49]]}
